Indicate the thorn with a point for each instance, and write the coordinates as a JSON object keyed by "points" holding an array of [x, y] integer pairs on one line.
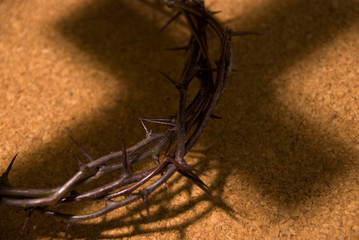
{"points": [[170, 79], [78, 161], [37, 224], [186, 171], [170, 21], [211, 13], [31, 210], [155, 158], [161, 121], [215, 116], [84, 152], [145, 202], [148, 132], [196, 180], [6, 173], [184, 166], [243, 33], [67, 230], [167, 187]]}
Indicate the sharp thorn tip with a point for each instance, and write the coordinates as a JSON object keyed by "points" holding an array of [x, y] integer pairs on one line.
{"points": [[7, 172]]}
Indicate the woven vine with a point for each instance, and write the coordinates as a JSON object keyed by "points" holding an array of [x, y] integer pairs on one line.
{"points": [[167, 148]]}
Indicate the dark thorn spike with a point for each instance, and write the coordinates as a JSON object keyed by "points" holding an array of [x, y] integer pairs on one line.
{"points": [[167, 187], [186, 167], [170, 21], [37, 224], [196, 180], [155, 158], [164, 120], [211, 13], [148, 132], [167, 122], [215, 116], [67, 230], [31, 210], [78, 161], [145, 202], [170, 79], [82, 149], [186, 171], [6, 173], [143, 125]]}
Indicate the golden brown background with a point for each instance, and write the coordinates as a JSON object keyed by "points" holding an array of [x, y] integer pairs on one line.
{"points": [[282, 163]]}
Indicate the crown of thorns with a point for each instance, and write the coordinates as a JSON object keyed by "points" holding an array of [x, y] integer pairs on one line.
{"points": [[167, 148]]}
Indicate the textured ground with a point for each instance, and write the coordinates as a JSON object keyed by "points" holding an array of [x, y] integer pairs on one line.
{"points": [[283, 162]]}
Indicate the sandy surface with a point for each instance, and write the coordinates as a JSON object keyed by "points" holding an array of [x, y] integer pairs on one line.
{"points": [[282, 163]]}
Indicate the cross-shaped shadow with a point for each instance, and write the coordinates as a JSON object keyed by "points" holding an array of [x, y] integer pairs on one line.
{"points": [[127, 44]]}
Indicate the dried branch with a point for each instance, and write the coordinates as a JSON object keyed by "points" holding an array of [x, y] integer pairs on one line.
{"points": [[184, 129]]}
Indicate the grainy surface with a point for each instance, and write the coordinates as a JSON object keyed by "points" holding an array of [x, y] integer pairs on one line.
{"points": [[283, 162]]}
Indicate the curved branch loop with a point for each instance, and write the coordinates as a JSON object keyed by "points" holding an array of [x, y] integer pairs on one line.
{"points": [[183, 131]]}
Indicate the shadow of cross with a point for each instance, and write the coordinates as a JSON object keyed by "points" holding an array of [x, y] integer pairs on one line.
{"points": [[282, 158], [289, 156]]}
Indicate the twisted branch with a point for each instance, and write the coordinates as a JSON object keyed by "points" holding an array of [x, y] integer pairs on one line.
{"points": [[167, 148]]}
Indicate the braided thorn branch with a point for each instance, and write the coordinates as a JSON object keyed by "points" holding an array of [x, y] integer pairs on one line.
{"points": [[183, 130]]}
